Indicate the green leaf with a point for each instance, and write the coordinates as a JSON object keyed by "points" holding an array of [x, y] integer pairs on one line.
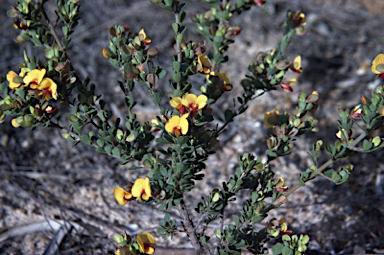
{"points": [[116, 152], [367, 145], [100, 150], [176, 66], [85, 139], [336, 177], [301, 182], [229, 115], [108, 149], [175, 27], [176, 77], [287, 251], [277, 249], [236, 220], [156, 97]]}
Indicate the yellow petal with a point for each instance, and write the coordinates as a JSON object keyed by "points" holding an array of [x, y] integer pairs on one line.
{"points": [[146, 240], [176, 103], [184, 126], [10, 76], [379, 60], [173, 122], [141, 186], [201, 101], [15, 124], [189, 99], [297, 62], [120, 194], [34, 76]]}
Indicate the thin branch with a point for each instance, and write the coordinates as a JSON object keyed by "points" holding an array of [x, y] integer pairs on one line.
{"points": [[51, 28], [191, 231]]}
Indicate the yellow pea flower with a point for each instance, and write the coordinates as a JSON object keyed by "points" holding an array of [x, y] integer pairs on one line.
{"points": [[193, 102], [34, 78], [378, 66], [122, 196], [177, 125], [141, 189], [49, 87], [15, 83], [176, 103], [146, 242], [284, 228], [143, 37], [204, 65], [296, 65], [299, 18]]}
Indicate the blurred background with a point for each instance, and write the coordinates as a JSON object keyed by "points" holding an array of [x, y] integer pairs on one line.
{"points": [[56, 199]]}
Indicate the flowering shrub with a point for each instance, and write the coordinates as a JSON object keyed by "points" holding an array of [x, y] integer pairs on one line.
{"points": [[183, 133]]}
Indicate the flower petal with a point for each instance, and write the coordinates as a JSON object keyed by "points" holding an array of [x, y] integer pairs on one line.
{"points": [[176, 103], [201, 101], [121, 195]]}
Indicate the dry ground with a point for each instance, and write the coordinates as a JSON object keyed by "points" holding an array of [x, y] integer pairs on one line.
{"points": [[51, 192]]}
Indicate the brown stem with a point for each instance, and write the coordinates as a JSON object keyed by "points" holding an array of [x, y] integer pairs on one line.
{"points": [[51, 28], [191, 231]]}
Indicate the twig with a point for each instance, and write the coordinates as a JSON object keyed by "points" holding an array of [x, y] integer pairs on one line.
{"points": [[191, 231], [51, 28]]}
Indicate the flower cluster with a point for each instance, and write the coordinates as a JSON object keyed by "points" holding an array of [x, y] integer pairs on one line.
{"points": [[145, 244], [141, 190], [34, 80], [188, 105]]}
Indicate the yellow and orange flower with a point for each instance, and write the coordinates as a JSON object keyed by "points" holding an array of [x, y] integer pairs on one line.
{"points": [[176, 103], [48, 88], [15, 80], [204, 66], [189, 103], [143, 37], [146, 242], [177, 125], [141, 189], [296, 65], [122, 196], [378, 66]]}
